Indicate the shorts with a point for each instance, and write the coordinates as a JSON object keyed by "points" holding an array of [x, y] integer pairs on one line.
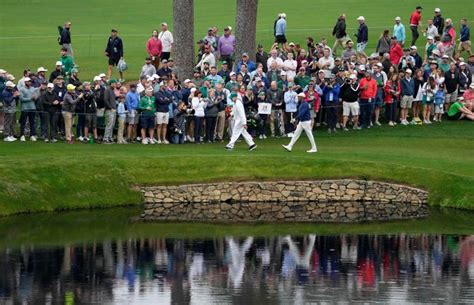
{"points": [[165, 55], [113, 61], [439, 109], [132, 117], [379, 100], [350, 108], [406, 102], [455, 117], [147, 121], [162, 118], [280, 39], [91, 120], [451, 97]]}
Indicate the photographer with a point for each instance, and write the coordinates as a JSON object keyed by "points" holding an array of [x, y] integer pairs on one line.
{"points": [[179, 123], [70, 100], [331, 94], [350, 104], [90, 112]]}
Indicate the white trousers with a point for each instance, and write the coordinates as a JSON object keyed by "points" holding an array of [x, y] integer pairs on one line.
{"points": [[306, 126], [238, 130]]}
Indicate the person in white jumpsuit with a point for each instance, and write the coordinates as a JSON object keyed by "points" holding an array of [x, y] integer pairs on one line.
{"points": [[304, 118], [239, 125]]}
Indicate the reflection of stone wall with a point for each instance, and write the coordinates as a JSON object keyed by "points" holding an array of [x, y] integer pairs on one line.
{"points": [[328, 201]]}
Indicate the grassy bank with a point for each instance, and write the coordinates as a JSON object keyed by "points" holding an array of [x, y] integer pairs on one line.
{"points": [[68, 228], [30, 42], [45, 177]]}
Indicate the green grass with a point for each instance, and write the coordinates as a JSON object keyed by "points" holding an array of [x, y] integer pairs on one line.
{"points": [[46, 177], [77, 227], [28, 27]]}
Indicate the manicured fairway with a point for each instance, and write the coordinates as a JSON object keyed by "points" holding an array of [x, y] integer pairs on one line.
{"points": [[28, 28], [44, 177]]}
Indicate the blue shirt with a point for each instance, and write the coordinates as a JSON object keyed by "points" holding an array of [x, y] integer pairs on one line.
{"points": [[331, 95], [303, 114], [131, 100], [399, 32], [465, 33], [280, 28]]}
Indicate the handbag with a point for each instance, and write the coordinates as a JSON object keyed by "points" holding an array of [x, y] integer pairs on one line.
{"points": [[122, 65]]}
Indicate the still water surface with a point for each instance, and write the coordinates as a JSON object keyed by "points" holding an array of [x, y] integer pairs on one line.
{"points": [[398, 269]]}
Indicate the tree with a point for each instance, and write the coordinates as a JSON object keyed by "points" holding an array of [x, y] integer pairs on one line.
{"points": [[246, 28], [183, 27]]}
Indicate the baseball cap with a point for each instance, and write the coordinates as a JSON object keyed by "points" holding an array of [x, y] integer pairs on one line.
{"points": [[150, 79], [445, 56], [283, 73], [408, 71], [379, 65], [304, 61], [361, 18], [397, 18], [353, 76], [471, 86], [436, 52], [301, 94], [232, 73], [164, 61], [114, 30], [260, 45], [50, 85], [258, 79], [228, 28], [362, 68], [413, 48], [58, 63], [148, 58], [437, 10], [10, 84], [430, 38], [419, 7], [283, 15], [291, 44], [59, 77], [232, 95], [164, 23], [70, 87], [245, 54], [27, 79], [462, 63], [42, 69], [102, 75], [155, 76], [2, 71], [96, 78]]}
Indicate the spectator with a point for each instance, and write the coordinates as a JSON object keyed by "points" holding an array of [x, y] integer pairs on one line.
{"points": [[154, 48], [368, 92], [10, 96], [448, 38], [179, 123], [198, 104], [289, 66], [262, 57], [122, 115], [147, 122], [56, 72], [280, 31], [399, 31], [251, 66], [459, 111], [391, 98], [163, 99], [66, 62], [339, 32], [226, 47], [211, 111], [110, 103], [208, 57], [148, 69], [45, 101], [396, 52], [348, 52], [331, 98], [431, 29], [167, 41], [65, 39], [416, 57], [451, 83], [90, 110], [291, 106], [275, 97], [70, 100], [465, 38], [132, 101], [28, 96], [164, 72], [383, 45], [429, 90], [407, 85], [41, 75], [274, 58], [224, 72], [114, 51], [438, 21], [415, 22], [362, 35], [381, 79]]}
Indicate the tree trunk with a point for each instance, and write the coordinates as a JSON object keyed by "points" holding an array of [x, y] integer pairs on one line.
{"points": [[183, 48], [246, 28]]}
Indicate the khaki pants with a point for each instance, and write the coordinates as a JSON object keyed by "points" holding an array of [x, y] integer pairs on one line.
{"points": [[68, 125], [121, 128], [339, 42], [465, 46], [277, 115], [220, 125]]}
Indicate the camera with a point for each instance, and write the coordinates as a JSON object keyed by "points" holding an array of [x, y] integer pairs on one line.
{"points": [[177, 131]]}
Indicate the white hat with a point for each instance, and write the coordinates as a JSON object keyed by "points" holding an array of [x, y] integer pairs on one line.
{"points": [[471, 86], [228, 27], [408, 71], [96, 78], [283, 15], [150, 79], [155, 76], [397, 18], [445, 56], [437, 10], [27, 79], [283, 73], [193, 90], [436, 52], [10, 77], [361, 18], [462, 63], [430, 38], [58, 63], [379, 65], [353, 76], [50, 85], [187, 81], [164, 23], [101, 75], [301, 94], [232, 73], [42, 69], [413, 48], [2, 71], [10, 84], [362, 68]]}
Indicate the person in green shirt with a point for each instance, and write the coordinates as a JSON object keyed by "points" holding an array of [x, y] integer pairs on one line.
{"points": [[147, 108], [458, 111], [233, 81], [301, 79], [66, 60]]}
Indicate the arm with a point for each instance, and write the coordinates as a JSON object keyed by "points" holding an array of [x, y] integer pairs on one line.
{"points": [[148, 47]]}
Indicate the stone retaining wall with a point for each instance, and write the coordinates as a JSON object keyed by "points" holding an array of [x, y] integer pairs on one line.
{"points": [[344, 200]]}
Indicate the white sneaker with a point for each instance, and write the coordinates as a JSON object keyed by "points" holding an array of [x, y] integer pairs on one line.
{"points": [[264, 136], [390, 123], [312, 151], [33, 138], [9, 139], [157, 142], [80, 139], [413, 122], [378, 123], [260, 137], [287, 147], [145, 141], [46, 140], [165, 142], [22, 139]]}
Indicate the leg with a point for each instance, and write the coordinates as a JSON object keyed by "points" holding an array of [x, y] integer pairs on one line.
{"points": [[296, 135], [158, 132], [237, 131], [220, 125], [309, 134], [164, 129], [109, 71], [272, 122], [23, 117], [247, 137]]}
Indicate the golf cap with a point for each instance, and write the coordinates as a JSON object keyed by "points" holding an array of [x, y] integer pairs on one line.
{"points": [[397, 18], [290, 84], [436, 52], [283, 73], [245, 54], [10, 84], [155, 76], [59, 77], [10, 77], [102, 75], [164, 23], [337, 59], [224, 62], [408, 71], [58, 63], [283, 15], [437, 10], [462, 63], [70, 87], [150, 79], [147, 58], [209, 29], [258, 79], [362, 68], [291, 44], [413, 48], [164, 61], [2, 71], [353, 76], [379, 65], [50, 85], [461, 98], [304, 61], [445, 56], [301, 94], [114, 30], [193, 90], [96, 78], [433, 62], [27, 79], [42, 69], [74, 70], [228, 28], [260, 45], [360, 18], [232, 73], [430, 38], [187, 81], [393, 37], [440, 80]]}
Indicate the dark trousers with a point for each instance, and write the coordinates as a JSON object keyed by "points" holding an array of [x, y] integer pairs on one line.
{"points": [[366, 111], [391, 111], [197, 129], [165, 55], [331, 117], [30, 117], [210, 128], [44, 122], [414, 34], [53, 123], [228, 59], [261, 124], [81, 123]]}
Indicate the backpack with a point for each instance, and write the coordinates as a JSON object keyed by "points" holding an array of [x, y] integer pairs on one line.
{"points": [[60, 30]]}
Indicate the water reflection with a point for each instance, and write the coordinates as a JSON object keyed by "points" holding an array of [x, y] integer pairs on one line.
{"points": [[286, 269]]}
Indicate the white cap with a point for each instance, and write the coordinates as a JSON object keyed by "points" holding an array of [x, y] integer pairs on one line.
{"points": [[362, 68], [232, 73], [149, 89], [193, 90], [2, 71], [96, 78], [379, 65], [10, 84], [361, 18], [283, 15], [397, 18], [27, 79], [58, 63], [42, 69], [437, 10], [164, 23], [101, 75], [436, 52], [155, 76], [283, 73], [408, 71], [50, 85], [228, 27], [445, 56], [10, 77], [413, 48], [430, 38], [462, 63], [353, 76], [304, 61], [301, 94], [187, 80], [150, 79]]}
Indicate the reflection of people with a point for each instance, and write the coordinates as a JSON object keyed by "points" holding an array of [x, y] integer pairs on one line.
{"points": [[237, 259], [302, 259], [467, 255]]}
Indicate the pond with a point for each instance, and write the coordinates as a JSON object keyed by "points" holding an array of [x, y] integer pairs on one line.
{"points": [[99, 257]]}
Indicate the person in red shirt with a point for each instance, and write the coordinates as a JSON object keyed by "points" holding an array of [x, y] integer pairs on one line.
{"points": [[368, 91], [154, 49], [396, 52], [392, 96], [415, 22]]}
